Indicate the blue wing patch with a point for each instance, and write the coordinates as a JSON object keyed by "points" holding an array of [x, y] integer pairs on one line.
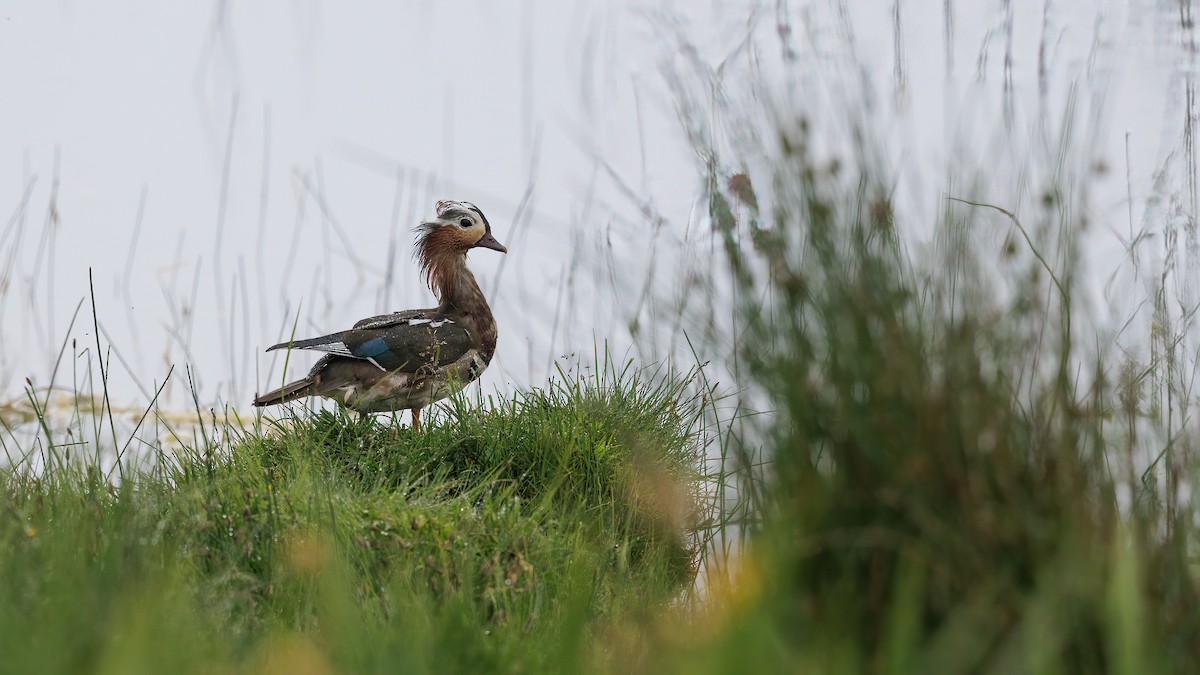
{"points": [[371, 348]]}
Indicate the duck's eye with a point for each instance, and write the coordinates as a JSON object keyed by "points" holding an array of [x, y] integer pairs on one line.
{"points": [[465, 222]]}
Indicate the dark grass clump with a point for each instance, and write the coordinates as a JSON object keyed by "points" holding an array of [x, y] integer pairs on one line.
{"points": [[501, 537], [945, 464]]}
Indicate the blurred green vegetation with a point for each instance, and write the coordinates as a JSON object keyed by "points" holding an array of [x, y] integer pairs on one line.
{"points": [[961, 480]]}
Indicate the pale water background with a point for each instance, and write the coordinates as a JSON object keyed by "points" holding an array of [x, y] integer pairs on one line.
{"points": [[229, 169]]}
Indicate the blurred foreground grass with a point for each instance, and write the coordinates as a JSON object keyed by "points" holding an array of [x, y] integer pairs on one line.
{"points": [[965, 475]]}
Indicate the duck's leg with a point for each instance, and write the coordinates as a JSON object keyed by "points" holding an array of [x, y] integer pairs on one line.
{"points": [[416, 418], [344, 404]]}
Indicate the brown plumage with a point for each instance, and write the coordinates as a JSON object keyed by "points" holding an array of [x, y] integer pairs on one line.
{"points": [[406, 360]]}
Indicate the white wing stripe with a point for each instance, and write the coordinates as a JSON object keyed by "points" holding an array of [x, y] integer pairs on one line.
{"points": [[339, 348]]}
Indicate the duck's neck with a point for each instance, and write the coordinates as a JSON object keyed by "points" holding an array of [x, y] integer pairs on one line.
{"points": [[458, 293], [456, 288]]}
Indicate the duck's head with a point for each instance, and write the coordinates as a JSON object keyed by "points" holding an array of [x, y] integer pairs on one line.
{"points": [[458, 228], [443, 243]]}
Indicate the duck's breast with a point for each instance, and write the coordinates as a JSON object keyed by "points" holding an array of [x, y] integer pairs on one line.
{"points": [[403, 391]]}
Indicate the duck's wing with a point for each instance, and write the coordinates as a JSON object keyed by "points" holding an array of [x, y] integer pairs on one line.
{"points": [[404, 341], [399, 318]]}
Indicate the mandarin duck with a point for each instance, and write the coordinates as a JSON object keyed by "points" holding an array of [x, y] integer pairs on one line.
{"points": [[407, 360]]}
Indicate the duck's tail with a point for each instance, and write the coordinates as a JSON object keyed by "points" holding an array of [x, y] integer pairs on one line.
{"points": [[291, 392]]}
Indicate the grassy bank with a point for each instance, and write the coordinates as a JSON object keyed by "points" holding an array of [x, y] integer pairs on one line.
{"points": [[507, 536]]}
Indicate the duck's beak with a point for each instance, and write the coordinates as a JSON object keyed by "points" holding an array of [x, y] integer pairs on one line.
{"points": [[488, 241]]}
